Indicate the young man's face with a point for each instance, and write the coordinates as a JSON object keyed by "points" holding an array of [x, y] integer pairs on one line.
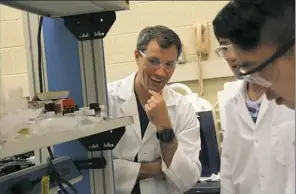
{"points": [[279, 75], [233, 64], [231, 59], [156, 66]]}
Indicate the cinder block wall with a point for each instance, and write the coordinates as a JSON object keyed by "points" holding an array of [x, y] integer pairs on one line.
{"points": [[178, 15], [13, 61], [120, 41]]}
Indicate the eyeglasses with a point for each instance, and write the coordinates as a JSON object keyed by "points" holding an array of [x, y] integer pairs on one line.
{"points": [[223, 50], [281, 51], [255, 74], [156, 63], [257, 79]]}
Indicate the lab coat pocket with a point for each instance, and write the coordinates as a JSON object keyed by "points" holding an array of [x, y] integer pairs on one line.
{"points": [[283, 142]]}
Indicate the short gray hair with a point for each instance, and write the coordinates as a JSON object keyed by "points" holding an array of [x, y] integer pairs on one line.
{"points": [[164, 36]]}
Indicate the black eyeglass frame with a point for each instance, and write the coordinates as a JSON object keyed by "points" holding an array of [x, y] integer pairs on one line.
{"points": [[281, 51]]}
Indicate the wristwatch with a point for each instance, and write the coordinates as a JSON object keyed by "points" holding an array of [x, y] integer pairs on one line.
{"points": [[166, 136]]}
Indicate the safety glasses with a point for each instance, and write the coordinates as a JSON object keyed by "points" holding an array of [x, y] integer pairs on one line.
{"points": [[223, 51], [156, 63], [255, 75], [282, 50]]}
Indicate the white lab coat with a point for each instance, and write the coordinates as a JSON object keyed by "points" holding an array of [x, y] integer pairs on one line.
{"points": [[258, 158], [185, 168], [230, 89]]}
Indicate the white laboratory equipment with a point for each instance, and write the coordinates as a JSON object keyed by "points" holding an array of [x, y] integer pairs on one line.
{"points": [[200, 104], [209, 154]]}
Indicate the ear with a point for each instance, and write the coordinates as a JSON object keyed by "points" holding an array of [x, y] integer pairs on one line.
{"points": [[137, 56]]}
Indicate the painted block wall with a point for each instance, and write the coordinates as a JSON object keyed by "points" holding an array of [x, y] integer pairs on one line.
{"points": [[13, 61], [181, 16]]}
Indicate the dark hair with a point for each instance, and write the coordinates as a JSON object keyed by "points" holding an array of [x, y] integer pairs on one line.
{"points": [[164, 36], [272, 8], [248, 24]]}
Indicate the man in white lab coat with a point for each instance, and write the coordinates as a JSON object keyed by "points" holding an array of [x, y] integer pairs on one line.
{"points": [[159, 153], [258, 154]]}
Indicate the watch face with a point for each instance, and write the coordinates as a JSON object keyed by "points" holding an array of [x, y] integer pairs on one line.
{"points": [[167, 135]]}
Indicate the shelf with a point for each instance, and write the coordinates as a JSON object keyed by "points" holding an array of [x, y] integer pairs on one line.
{"points": [[25, 144], [67, 8]]}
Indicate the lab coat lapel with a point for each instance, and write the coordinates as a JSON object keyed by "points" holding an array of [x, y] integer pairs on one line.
{"points": [[242, 108], [129, 106], [151, 129]]}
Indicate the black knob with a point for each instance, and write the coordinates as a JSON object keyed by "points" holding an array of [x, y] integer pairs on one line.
{"points": [[94, 106], [49, 107]]}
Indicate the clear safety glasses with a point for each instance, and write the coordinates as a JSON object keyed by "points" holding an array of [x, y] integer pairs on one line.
{"points": [[262, 75], [223, 51], [156, 63]]}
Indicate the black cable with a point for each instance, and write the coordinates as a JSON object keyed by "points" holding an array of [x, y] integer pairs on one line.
{"points": [[50, 153], [56, 177], [40, 68], [40, 54]]}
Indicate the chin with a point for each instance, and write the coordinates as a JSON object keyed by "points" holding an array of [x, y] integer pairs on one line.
{"points": [[156, 88]]}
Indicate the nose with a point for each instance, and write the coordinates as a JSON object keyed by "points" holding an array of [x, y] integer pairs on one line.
{"points": [[161, 71], [232, 58]]}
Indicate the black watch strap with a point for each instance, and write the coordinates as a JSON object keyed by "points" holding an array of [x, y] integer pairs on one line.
{"points": [[166, 135]]}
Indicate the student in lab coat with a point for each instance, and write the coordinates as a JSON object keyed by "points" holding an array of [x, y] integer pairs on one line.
{"points": [[258, 154], [262, 34], [159, 153]]}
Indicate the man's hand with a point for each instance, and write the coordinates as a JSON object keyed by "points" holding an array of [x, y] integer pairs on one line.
{"points": [[161, 175], [157, 112], [151, 170]]}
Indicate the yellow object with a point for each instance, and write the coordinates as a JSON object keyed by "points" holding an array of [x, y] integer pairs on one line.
{"points": [[24, 131], [45, 185]]}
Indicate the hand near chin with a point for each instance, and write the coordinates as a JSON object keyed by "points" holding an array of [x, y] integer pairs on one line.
{"points": [[157, 112]]}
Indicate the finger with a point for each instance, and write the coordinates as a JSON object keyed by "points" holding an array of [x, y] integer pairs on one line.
{"points": [[153, 99], [147, 108], [153, 93]]}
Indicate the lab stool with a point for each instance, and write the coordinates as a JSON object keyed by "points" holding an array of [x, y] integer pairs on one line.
{"points": [[205, 188]]}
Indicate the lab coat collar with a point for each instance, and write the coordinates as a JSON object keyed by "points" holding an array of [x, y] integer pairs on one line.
{"points": [[129, 106], [243, 110]]}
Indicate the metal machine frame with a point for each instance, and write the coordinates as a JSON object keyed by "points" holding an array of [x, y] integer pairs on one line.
{"points": [[93, 75], [92, 63]]}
